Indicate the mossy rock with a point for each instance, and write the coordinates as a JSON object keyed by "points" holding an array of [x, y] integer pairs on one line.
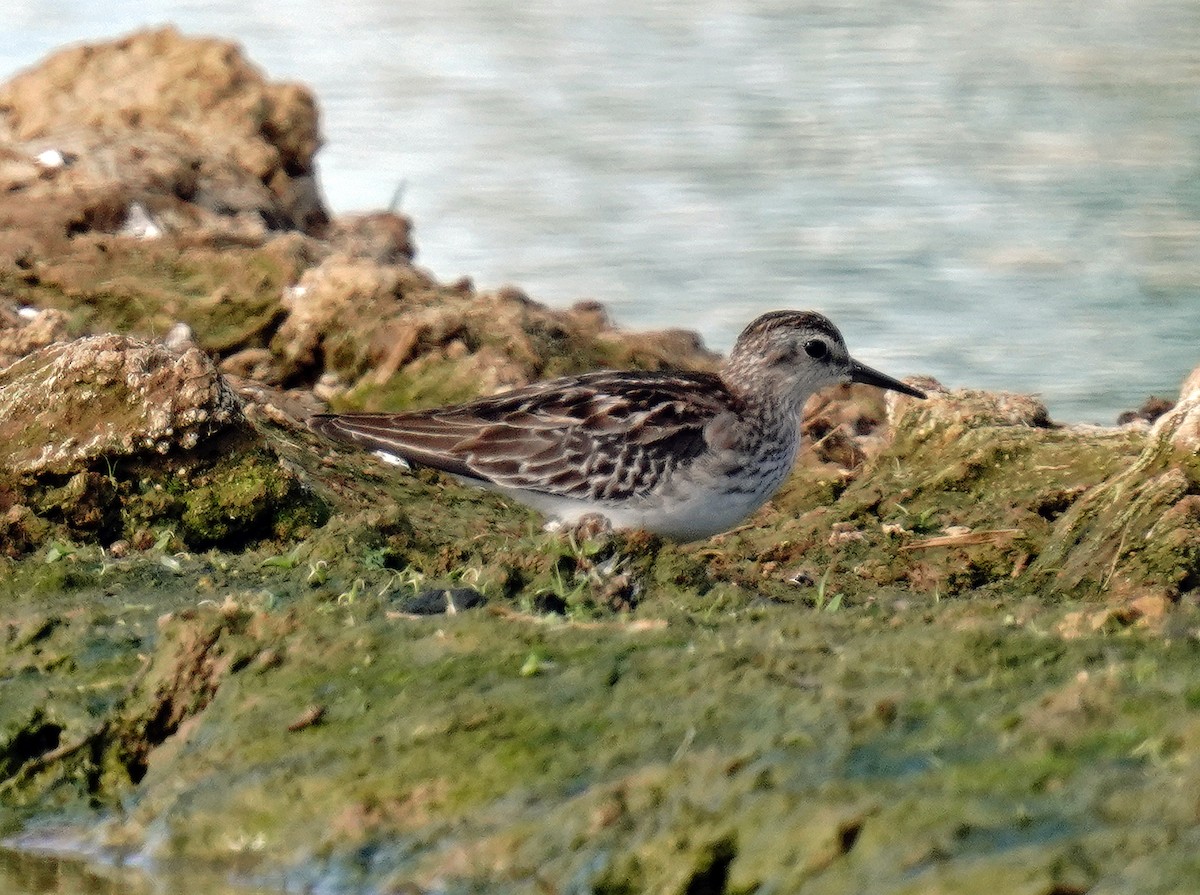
{"points": [[108, 436]]}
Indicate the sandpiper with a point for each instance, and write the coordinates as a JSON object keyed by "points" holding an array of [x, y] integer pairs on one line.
{"points": [[684, 455]]}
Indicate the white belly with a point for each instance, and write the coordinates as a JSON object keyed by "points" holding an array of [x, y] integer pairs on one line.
{"points": [[686, 512]]}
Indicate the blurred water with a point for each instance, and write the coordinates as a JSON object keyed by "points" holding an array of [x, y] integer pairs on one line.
{"points": [[1001, 195]]}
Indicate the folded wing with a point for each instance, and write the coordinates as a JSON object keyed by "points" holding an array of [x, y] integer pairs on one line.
{"points": [[604, 436]]}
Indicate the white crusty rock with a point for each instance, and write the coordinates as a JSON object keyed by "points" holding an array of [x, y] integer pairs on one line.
{"points": [[1181, 424], [70, 404]]}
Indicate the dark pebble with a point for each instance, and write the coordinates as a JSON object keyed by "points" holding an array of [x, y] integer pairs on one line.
{"points": [[441, 600]]}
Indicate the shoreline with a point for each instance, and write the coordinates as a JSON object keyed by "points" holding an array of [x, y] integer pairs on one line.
{"points": [[959, 647]]}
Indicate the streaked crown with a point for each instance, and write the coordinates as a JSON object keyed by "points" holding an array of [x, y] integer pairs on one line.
{"points": [[787, 355], [787, 322]]}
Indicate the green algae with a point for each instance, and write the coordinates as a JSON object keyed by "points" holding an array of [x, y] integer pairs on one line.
{"points": [[205, 500], [449, 377], [249, 499], [229, 295], [438, 381], [714, 735], [771, 746], [1140, 527], [1005, 493], [624, 714]]}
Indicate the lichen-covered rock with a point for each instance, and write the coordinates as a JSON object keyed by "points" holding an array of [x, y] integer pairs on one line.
{"points": [[1139, 531], [969, 408], [383, 237], [144, 183], [845, 426], [153, 132], [965, 491]]}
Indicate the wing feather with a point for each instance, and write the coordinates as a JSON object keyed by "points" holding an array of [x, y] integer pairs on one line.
{"points": [[603, 436]]}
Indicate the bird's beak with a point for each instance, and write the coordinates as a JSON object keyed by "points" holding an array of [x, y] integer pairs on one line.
{"points": [[863, 373]]}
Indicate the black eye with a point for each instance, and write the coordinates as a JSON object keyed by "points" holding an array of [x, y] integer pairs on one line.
{"points": [[815, 348]]}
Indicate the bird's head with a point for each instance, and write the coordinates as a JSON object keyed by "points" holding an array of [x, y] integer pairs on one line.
{"points": [[791, 354]]}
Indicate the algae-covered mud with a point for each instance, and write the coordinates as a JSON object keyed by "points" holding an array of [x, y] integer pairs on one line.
{"points": [[958, 653], [26, 873]]}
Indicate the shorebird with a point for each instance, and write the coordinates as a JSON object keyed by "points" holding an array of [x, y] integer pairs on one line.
{"points": [[684, 455]]}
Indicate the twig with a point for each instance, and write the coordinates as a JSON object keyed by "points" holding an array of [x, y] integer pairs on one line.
{"points": [[969, 539]]}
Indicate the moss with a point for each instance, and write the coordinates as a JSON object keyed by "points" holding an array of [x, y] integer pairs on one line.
{"points": [[743, 741], [228, 295], [797, 705], [21, 529], [251, 499], [87, 502], [1139, 527], [436, 382], [61, 577], [232, 490], [883, 527]]}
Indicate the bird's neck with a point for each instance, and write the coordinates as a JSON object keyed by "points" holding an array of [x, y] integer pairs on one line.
{"points": [[765, 404]]}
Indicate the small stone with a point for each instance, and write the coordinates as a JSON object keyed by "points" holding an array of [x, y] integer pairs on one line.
{"points": [[1148, 610], [143, 539], [1152, 408], [179, 338], [266, 660], [591, 526], [310, 717], [139, 224], [802, 578], [442, 600], [1181, 424], [844, 533], [51, 158]]}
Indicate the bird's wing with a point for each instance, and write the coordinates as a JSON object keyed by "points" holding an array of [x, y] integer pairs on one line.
{"points": [[603, 436]]}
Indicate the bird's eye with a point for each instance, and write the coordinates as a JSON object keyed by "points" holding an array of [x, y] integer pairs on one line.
{"points": [[815, 348]]}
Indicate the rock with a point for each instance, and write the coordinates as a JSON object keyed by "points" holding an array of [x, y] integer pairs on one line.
{"points": [[442, 600], [143, 185], [382, 237], [21, 530], [1140, 527], [1017, 490], [841, 426], [108, 435], [180, 338], [25, 329], [70, 404], [172, 131], [1152, 408], [375, 324], [1180, 426], [970, 408]]}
